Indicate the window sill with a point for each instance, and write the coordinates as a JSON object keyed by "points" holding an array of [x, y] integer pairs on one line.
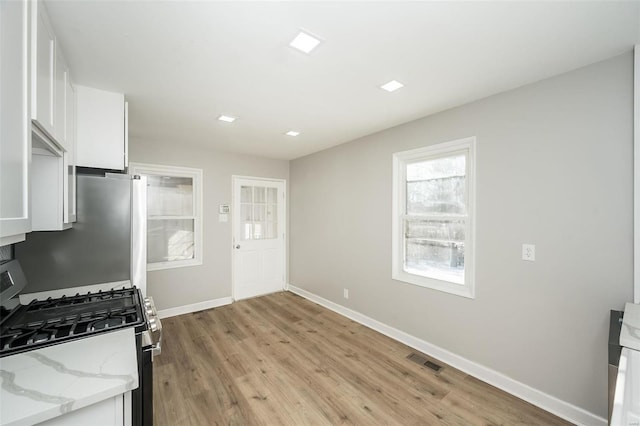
{"points": [[434, 284], [175, 264]]}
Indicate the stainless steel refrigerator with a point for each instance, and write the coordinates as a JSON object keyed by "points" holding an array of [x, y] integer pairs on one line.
{"points": [[107, 244]]}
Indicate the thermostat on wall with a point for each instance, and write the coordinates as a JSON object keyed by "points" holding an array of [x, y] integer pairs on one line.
{"points": [[224, 209]]}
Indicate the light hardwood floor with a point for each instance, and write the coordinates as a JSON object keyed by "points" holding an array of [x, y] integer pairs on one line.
{"points": [[282, 360]]}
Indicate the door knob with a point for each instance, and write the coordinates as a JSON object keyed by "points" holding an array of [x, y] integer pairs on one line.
{"points": [[238, 246]]}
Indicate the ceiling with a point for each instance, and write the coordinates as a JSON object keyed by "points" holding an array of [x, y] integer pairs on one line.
{"points": [[181, 64]]}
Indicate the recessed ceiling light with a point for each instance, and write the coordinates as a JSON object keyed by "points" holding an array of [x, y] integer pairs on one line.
{"points": [[292, 133], [227, 118], [305, 42], [392, 86]]}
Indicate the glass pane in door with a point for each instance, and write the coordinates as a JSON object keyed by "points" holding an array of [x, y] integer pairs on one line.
{"points": [[246, 194], [272, 230], [272, 212], [272, 195], [246, 212], [246, 231], [259, 195], [258, 212]]}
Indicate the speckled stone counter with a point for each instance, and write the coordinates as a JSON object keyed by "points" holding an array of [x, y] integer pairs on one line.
{"points": [[48, 382], [630, 332]]}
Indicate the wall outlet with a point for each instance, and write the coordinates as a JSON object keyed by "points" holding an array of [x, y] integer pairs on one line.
{"points": [[529, 252], [345, 293]]}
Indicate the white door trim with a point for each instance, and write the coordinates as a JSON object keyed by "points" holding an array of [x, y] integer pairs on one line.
{"points": [[285, 256]]}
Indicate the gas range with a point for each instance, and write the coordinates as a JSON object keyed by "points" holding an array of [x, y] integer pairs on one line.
{"points": [[58, 320], [52, 321]]}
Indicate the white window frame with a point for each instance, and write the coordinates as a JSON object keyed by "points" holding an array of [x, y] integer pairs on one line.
{"points": [[175, 171], [400, 161]]}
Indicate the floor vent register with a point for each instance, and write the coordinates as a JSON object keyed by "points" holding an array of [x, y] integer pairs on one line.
{"points": [[422, 360]]}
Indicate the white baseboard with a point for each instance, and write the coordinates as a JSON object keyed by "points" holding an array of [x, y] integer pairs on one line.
{"points": [[195, 307], [538, 398]]}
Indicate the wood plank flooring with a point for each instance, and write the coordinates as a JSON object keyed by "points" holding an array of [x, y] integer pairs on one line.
{"points": [[282, 360]]}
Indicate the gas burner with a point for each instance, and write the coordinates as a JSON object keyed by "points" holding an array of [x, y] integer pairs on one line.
{"points": [[41, 336], [107, 323]]}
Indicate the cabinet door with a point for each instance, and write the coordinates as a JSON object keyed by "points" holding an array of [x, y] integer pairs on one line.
{"points": [[100, 127], [109, 412], [43, 57], [15, 125], [61, 76], [47, 189]]}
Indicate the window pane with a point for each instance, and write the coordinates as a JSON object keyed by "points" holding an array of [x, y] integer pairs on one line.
{"points": [[258, 230], [272, 230], [169, 196], [246, 212], [246, 194], [169, 239], [259, 194], [259, 213], [435, 249], [272, 195], [437, 168], [272, 212], [245, 231], [437, 186]]}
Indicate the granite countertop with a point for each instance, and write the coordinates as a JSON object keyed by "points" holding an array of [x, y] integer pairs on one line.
{"points": [[55, 380]]}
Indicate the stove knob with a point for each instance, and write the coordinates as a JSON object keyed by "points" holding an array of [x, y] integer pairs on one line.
{"points": [[153, 324]]}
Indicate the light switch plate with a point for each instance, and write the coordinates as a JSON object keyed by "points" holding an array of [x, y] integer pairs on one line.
{"points": [[529, 252]]}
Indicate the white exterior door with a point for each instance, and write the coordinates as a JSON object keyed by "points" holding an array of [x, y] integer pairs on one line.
{"points": [[258, 236]]}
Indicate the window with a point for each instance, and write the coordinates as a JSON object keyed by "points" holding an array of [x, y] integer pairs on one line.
{"points": [[174, 215], [433, 216]]}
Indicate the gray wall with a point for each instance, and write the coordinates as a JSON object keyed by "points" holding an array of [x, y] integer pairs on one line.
{"points": [[554, 168], [211, 280]]}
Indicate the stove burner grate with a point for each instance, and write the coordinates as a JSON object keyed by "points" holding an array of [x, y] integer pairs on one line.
{"points": [[52, 321]]}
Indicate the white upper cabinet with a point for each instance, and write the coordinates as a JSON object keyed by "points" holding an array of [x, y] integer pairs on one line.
{"points": [[53, 136], [49, 74], [43, 57], [102, 140], [15, 123]]}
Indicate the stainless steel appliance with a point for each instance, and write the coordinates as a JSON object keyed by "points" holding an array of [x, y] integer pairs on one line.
{"points": [[106, 244], [59, 320]]}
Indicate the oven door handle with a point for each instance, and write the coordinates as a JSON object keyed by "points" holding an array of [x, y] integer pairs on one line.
{"points": [[156, 349], [148, 345]]}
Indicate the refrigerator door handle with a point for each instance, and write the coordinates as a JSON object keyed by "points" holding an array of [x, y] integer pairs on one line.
{"points": [[139, 233]]}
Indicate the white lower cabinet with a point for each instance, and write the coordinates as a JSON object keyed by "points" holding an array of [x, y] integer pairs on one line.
{"points": [[114, 411]]}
